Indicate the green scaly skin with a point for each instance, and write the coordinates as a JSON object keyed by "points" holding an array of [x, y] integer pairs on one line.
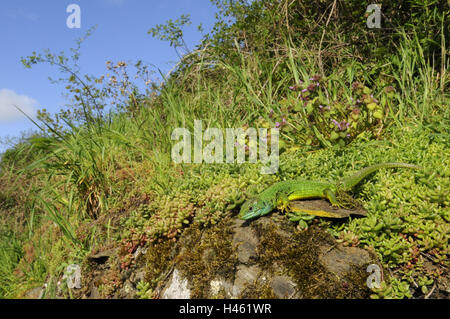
{"points": [[280, 194]]}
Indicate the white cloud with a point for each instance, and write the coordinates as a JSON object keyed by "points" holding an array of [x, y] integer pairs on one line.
{"points": [[9, 98]]}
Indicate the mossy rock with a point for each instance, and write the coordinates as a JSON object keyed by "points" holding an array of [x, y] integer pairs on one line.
{"points": [[264, 258]]}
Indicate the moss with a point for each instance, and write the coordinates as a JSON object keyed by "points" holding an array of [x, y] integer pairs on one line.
{"points": [[258, 290], [202, 255], [158, 259], [298, 256], [213, 258]]}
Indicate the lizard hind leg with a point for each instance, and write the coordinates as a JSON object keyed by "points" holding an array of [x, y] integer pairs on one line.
{"points": [[331, 196]]}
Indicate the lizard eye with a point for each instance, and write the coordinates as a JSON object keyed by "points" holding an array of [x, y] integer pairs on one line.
{"points": [[250, 208]]}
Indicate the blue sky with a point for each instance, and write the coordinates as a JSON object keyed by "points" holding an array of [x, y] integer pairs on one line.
{"points": [[121, 35]]}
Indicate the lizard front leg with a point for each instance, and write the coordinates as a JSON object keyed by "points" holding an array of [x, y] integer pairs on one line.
{"points": [[283, 203]]}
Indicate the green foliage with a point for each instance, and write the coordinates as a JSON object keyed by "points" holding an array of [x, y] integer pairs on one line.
{"points": [[90, 96], [336, 28], [309, 117], [396, 289], [302, 219], [172, 31], [144, 290], [85, 97], [10, 253]]}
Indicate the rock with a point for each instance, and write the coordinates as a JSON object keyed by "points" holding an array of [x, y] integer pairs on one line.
{"points": [[283, 287], [139, 251], [102, 257], [264, 258], [35, 293], [128, 291], [221, 287], [245, 241], [136, 277], [322, 207], [245, 275], [94, 294], [340, 260], [177, 287]]}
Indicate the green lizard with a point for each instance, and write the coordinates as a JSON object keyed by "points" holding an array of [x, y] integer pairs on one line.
{"points": [[280, 194]]}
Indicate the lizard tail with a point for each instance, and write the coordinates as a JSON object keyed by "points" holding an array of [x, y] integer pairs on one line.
{"points": [[349, 182]]}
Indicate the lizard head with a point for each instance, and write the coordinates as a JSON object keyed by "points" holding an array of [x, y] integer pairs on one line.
{"points": [[254, 207]]}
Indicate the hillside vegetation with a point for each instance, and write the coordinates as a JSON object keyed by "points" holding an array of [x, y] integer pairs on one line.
{"points": [[99, 173]]}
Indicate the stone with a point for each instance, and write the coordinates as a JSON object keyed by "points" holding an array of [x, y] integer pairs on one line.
{"points": [[245, 275], [177, 288], [246, 242], [94, 293], [102, 257], [340, 260], [283, 287], [35, 293], [263, 258], [137, 277], [221, 286], [128, 291]]}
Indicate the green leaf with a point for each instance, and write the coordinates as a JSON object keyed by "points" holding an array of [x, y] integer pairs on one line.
{"points": [[378, 114], [334, 136]]}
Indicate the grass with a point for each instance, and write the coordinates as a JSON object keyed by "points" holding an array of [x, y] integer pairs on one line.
{"points": [[11, 253], [66, 194]]}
